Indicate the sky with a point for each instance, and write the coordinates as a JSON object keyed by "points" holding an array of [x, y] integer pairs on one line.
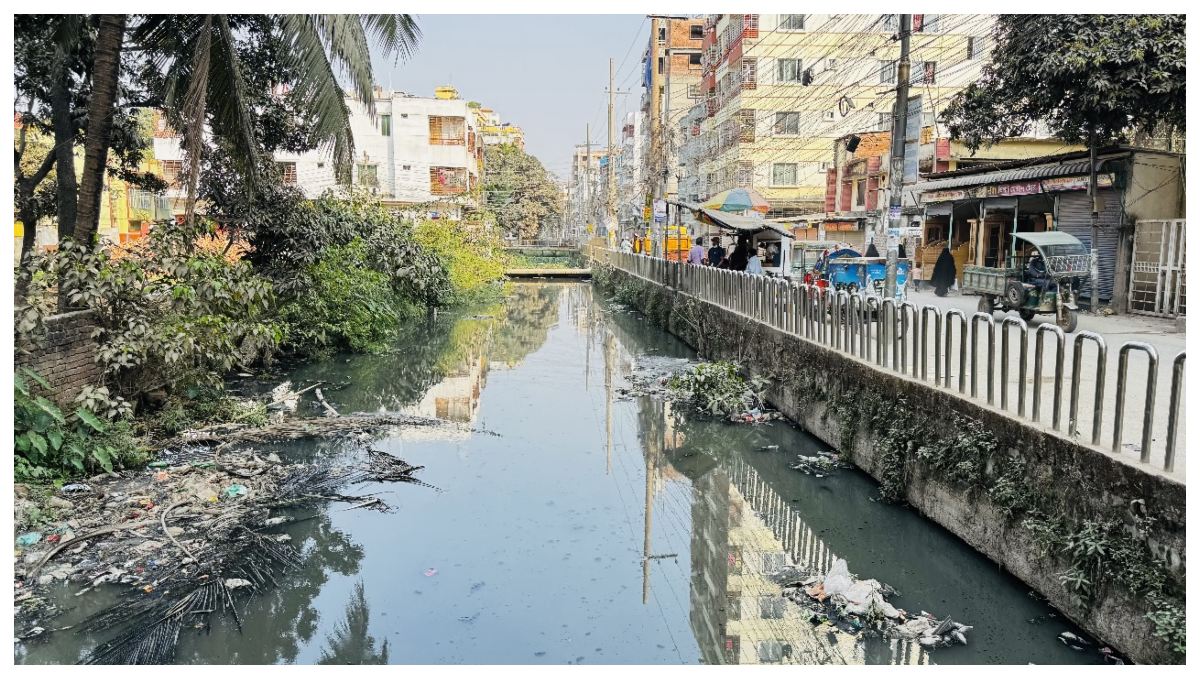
{"points": [[545, 73]]}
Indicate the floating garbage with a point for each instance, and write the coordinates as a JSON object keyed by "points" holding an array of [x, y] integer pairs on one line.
{"points": [[853, 605], [1073, 641], [235, 490], [819, 465]]}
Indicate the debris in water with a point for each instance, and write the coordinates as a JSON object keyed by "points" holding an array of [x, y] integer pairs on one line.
{"points": [[853, 606], [1073, 641], [771, 447], [29, 539], [430, 572], [820, 465]]}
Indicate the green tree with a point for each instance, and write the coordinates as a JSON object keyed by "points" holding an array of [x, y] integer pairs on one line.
{"points": [[1089, 77], [1093, 78], [519, 191]]}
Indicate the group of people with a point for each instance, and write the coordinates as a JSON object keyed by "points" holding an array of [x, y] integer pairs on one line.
{"points": [[742, 258]]}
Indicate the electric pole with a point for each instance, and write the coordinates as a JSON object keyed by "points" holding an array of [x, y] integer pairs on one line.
{"points": [[655, 169], [587, 177], [899, 126], [611, 203]]}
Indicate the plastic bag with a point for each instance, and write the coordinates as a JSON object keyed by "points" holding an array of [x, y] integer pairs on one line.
{"points": [[838, 580]]}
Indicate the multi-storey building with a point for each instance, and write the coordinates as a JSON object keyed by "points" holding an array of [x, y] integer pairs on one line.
{"points": [[691, 153], [672, 61], [780, 89], [584, 184], [631, 189], [417, 153]]}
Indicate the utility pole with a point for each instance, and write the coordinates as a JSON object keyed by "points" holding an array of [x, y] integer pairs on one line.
{"points": [[1094, 265], [587, 187], [899, 125], [655, 168], [611, 203]]}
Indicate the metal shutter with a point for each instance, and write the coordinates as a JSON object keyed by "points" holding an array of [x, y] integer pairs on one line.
{"points": [[1075, 218]]}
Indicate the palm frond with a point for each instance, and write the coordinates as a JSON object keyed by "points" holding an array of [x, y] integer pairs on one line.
{"points": [[319, 87], [229, 100], [394, 33]]}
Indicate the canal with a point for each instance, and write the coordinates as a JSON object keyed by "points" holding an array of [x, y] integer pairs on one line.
{"points": [[532, 545]]}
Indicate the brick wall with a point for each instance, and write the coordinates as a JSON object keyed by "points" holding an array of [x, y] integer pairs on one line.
{"points": [[66, 356]]}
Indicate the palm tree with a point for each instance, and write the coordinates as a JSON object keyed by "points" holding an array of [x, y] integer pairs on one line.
{"points": [[205, 84], [105, 78]]}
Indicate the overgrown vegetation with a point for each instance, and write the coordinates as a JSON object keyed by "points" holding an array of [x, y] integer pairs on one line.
{"points": [[51, 444], [471, 252]]}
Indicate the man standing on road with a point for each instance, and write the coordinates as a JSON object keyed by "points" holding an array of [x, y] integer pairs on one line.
{"points": [[716, 254], [696, 254]]}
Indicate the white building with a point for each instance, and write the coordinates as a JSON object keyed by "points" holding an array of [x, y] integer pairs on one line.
{"points": [[418, 152]]}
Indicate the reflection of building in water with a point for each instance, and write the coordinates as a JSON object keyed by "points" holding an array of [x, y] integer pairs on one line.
{"points": [[456, 397], [744, 531]]}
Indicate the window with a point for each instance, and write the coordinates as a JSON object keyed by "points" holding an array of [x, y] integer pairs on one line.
{"points": [[694, 59], [447, 130], [171, 171], [887, 72], [771, 607], [368, 174], [827, 115], [787, 122], [446, 181], [831, 64], [925, 23], [783, 174], [288, 172], [885, 121], [749, 73], [891, 23], [746, 121], [972, 48], [733, 650], [662, 35], [406, 167], [860, 193], [733, 606], [790, 70], [661, 63], [697, 32], [694, 91], [744, 176], [925, 72], [385, 125], [770, 651], [791, 22], [141, 200]]}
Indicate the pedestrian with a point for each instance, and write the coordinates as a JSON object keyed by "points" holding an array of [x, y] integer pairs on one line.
{"points": [[754, 264], [716, 254], [741, 255], [696, 254], [626, 244], [772, 255], [944, 273]]}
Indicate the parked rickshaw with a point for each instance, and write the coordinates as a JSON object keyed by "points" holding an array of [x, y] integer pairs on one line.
{"points": [[1045, 279], [847, 270]]}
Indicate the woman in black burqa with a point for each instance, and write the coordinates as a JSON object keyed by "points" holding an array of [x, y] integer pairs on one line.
{"points": [[741, 254], [944, 273]]}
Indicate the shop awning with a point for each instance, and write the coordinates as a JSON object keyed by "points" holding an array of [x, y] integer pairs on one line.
{"points": [[1002, 176], [732, 222], [938, 209]]}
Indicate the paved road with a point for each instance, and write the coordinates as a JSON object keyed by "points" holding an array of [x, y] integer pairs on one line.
{"points": [[1116, 330]]}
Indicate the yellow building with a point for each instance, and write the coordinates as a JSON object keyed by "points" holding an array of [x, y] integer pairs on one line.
{"points": [[780, 89], [126, 212]]}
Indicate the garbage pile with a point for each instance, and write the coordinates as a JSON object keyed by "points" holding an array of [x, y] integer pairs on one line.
{"points": [[651, 375], [820, 465], [852, 605], [190, 522], [715, 389]]}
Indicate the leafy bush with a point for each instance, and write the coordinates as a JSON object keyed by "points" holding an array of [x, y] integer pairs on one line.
{"points": [[201, 405], [49, 443], [348, 304], [718, 389], [472, 253], [287, 247], [167, 312]]}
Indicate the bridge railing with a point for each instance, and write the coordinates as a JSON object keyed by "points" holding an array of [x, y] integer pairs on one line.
{"points": [[900, 343]]}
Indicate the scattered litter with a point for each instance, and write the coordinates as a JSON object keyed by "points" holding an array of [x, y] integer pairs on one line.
{"points": [[235, 490], [29, 539], [1073, 641], [860, 606], [161, 476], [75, 489], [234, 583], [819, 465], [430, 572], [770, 447]]}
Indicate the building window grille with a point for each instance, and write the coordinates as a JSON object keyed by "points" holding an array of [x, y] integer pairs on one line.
{"points": [[791, 22]]}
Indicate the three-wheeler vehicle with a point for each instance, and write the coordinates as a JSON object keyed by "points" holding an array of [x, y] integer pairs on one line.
{"points": [[1044, 279]]}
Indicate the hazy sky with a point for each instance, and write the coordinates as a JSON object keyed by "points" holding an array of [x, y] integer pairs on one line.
{"points": [[545, 73]]}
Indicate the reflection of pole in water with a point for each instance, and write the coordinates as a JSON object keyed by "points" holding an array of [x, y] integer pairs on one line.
{"points": [[608, 401], [651, 472]]}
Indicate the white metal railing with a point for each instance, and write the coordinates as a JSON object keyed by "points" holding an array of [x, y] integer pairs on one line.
{"points": [[843, 322]]}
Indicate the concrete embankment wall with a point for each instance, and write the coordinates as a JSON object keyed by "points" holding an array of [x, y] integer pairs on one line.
{"points": [[66, 356], [1034, 502]]}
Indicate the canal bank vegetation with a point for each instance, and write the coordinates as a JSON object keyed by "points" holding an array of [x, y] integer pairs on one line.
{"points": [[1108, 559]]}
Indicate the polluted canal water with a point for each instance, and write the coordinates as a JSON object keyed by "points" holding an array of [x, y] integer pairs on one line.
{"points": [[570, 523]]}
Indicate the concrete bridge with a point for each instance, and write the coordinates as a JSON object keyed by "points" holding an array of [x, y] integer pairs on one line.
{"points": [[541, 261]]}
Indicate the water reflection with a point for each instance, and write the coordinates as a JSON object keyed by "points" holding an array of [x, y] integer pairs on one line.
{"points": [[351, 642]]}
